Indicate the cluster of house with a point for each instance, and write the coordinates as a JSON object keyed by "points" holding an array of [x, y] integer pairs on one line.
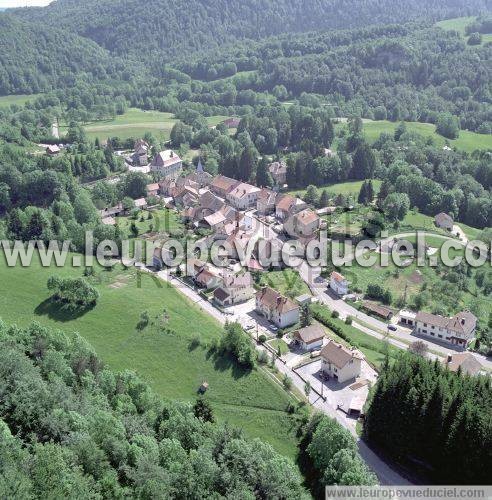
{"points": [[337, 361], [229, 288]]}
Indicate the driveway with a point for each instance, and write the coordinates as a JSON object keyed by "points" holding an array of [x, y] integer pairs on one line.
{"points": [[337, 394]]}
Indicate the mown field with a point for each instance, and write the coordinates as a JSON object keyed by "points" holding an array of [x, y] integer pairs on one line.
{"points": [[351, 188], [20, 100], [459, 24], [287, 282], [467, 141], [161, 353], [135, 123]]}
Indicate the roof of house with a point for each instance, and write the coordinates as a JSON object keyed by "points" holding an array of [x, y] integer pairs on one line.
{"points": [[205, 275], [210, 201], [273, 300], [232, 122], [223, 183], [384, 312], [310, 334], [215, 218], [153, 187], [306, 216], [243, 189], [277, 167], [339, 355], [466, 361], [166, 159], [463, 322], [140, 202], [267, 196], [53, 148], [221, 294], [337, 276], [238, 281], [443, 218], [286, 203], [254, 265]]}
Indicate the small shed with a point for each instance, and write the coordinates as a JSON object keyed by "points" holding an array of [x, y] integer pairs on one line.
{"points": [[203, 388], [356, 406]]}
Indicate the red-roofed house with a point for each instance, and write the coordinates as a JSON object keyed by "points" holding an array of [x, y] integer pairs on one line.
{"points": [[243, 196], [338, 283], [280, 310]]}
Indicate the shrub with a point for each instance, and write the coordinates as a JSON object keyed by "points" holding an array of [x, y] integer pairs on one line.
{"points": [[262, 338]]}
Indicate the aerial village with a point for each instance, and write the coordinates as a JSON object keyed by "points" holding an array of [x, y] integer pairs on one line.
{"points": [[227, 210]]}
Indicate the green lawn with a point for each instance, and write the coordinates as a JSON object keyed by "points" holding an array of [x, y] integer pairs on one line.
{"points": [[20, 100], [417, 221], [276, 343], [161, 353], [351, 188], [162, 221], [135, 123], [467, 141], [287, 282]]}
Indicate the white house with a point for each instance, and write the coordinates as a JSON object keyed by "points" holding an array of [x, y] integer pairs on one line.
{"points": [[339, 284], [458, 330], [243, 196], [310, 338], [234, 290], [339, 362], [303, 224], [167, 164], [280, 310]]}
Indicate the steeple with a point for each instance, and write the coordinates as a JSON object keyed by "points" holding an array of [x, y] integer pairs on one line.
{"points": [[199, 167]]}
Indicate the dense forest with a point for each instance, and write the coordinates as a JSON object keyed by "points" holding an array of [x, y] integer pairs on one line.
{"points": [[72, 428], [165, 27], [438, 421]]}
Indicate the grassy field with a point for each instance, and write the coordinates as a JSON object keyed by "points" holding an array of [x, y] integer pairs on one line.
{"points": [[162, 220], [135, 123], [467, 141], [287, 282], [20, 100], [161, 353], [459, 24], [351, 188], [417, 221]]}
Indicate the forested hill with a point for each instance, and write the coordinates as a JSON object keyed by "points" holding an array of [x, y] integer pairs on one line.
{"points": [[36, 58], [157, 28]]}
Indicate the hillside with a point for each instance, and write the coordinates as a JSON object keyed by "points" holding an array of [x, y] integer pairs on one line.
{"points": [[168, 27], [35, 58]]}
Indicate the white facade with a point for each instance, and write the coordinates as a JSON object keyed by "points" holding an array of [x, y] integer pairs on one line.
{"points": [[167, 164], [339, 284], [243, 196], [348, 372]]}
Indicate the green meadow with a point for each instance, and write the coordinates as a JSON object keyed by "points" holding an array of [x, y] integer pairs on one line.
{"points": [[135, 123], [162, 353], [351, 188], [467, 141], [20, 100], [459, 24]]}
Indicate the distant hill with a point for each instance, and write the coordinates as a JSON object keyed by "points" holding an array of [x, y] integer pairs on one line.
{"points": [[159, 28], [48, 47], [36, 58]]}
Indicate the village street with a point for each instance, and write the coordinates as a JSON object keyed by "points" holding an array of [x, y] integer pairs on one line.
{"points": [[400, 338], [386, 475]]}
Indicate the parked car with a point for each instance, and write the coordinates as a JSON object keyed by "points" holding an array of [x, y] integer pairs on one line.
{"points": [[392, 328]]}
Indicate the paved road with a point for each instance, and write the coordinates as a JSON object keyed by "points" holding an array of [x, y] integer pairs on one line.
{"points": [[397, 338], [386, 475]]}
